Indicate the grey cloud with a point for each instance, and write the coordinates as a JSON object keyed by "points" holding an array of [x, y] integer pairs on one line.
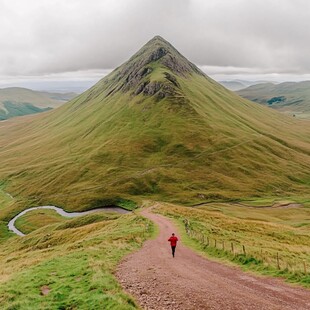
{"points": [[49, 37]]}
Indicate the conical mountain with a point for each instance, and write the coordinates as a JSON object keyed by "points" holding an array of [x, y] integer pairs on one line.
{"points": [[156, 127]]}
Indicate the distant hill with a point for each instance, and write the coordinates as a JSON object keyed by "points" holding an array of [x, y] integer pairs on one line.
{"points": [[233, 85], [236, 85], [156, 128], [62, 97], [290, 97], [17, 101]]}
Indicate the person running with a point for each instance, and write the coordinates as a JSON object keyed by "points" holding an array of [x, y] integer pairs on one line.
{"points": [[173, 242]]}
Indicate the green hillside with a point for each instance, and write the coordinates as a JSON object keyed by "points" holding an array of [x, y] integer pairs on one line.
{"points": [[292, 98], [155, 127], [70, 265], [16, 101]]}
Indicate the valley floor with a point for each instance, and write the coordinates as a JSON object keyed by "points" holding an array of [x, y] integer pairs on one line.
{"points": [[189, 281]]}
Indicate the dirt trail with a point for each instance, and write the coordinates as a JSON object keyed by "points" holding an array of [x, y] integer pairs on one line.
{"points": [[188, 281]]}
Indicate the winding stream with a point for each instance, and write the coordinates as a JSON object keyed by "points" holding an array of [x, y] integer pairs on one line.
{"points": [[11, 224]]}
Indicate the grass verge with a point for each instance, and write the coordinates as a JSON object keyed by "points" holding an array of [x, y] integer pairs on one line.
{"points": [[70, 265]]}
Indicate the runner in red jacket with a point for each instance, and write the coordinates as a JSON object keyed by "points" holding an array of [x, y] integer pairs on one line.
{"points": [[173, 242]]}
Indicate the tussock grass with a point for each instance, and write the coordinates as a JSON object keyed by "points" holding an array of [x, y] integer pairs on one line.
{"points": [[260, 231], [74, 260], [292, 216]]}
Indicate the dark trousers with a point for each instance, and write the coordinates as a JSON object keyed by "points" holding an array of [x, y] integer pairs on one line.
{"points": [[173, 249]]}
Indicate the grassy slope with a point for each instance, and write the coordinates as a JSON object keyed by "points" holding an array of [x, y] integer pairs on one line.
{"points": [[297, 96], [264, 233], [75, 260]]}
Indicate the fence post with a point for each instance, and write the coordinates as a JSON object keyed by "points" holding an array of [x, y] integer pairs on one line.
{"points": [[232, 249], [305, 267], [186, 223], [278, 262], [243, 248]]}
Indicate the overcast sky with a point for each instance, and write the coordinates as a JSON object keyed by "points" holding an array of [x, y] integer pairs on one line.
{"points": [[81, 40]]}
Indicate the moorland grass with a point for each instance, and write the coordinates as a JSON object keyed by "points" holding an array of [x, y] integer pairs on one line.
{"points": [[298, 216], [73, 260]]}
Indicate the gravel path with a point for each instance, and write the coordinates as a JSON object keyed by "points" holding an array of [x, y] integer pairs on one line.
{"points": [[189, 281]]}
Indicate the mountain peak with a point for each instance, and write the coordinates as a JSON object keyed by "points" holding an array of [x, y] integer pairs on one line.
{"points": [[154, 69], [159, 41], [158, 49], [158, 38]]}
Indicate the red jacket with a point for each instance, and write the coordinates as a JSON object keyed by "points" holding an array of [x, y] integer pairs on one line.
{"points": [[173, 240]]}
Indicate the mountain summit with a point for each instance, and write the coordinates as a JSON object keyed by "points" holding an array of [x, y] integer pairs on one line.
{"points": [[152, 71], [155, 127], [158, 52]]}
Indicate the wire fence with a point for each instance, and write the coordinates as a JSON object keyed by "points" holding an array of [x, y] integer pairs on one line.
{"points": [[236, 250]]}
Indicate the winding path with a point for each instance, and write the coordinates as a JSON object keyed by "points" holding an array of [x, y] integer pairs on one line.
{"points": [[12, 227], [189, 281]]}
